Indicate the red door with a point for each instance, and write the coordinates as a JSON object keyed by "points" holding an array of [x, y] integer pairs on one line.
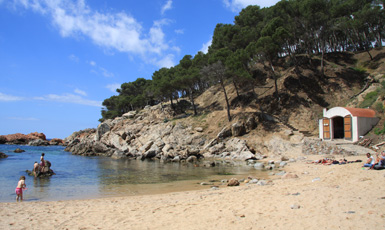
{"points": [[348, 127], [326, 124]]}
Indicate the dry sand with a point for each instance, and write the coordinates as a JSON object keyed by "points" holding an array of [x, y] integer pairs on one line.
{"points": [[344, 197]]}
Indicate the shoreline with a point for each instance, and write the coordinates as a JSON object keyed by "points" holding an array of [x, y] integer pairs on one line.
{"points": [[322, 197]]}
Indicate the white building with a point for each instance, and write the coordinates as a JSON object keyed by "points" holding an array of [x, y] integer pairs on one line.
{"points": [[346, 123]]}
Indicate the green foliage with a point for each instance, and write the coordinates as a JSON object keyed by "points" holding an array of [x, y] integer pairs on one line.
{"points": [[379, 107], [288, 28], [369, 99], [379, 131]]}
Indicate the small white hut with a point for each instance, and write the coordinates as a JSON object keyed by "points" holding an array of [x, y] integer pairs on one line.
{"points": [[346, 123]]}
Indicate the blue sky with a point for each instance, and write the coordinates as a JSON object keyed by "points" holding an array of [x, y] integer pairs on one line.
{"points": [[59, 59]]}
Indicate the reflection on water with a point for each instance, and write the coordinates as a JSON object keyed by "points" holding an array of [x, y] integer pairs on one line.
{"points": [[80, 177]]}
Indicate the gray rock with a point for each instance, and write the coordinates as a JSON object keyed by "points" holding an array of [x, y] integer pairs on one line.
{"points": [[207, 183], [282, 164], [18, 150], [38, 142], [3, 155], [225, 132], [176, 159], [259, 165], [118, 154], [262, 182], [253, 181], [101, 130], [280, 173], [191, 159], [130, 114], [295, 206], [150, 154], [238, 129], [250, 124]]}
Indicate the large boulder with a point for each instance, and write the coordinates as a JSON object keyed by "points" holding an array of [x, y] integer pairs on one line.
{"points": [[36, 135], [56, 141], [18, 150], [3, 139], [238, 129], [3, 155], [38, 142], [225, 132], [101, 130]]}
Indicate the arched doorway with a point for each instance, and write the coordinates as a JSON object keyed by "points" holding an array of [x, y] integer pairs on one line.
{"points": [[338, 128]]}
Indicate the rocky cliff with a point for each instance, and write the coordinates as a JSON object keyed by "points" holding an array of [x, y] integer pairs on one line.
{"points": [[261, 125], [152, 133]]}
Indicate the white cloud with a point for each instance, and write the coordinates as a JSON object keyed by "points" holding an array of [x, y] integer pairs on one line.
{"points": [[167, 61], [167, 6], [113, 87], [180, 31], [73, 58], [205, 46], [237, 5], [69, 98], [23, 118], [5, 97], [81, 92], [106, 73], [116, 31], [100, 70]]}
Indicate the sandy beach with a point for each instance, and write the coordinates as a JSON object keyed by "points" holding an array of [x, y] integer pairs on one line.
{"points": [[322, 197]]}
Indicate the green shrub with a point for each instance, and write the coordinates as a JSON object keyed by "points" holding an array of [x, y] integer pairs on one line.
{"points": [[379, 131], [369, 99], [379, 107]]}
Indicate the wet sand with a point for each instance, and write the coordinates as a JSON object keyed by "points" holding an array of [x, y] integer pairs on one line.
{"points": [[322, 197]]}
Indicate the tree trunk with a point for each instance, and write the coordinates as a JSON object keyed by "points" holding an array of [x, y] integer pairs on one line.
{"points": [[172, 103], [193, 103], [236, 88], [275, 81], [227, 101], [322, 59]]}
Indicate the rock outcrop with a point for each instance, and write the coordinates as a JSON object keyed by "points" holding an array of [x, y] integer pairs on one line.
{"points": [[153, 133], [34, 139], [150, 134], [3, 155]]}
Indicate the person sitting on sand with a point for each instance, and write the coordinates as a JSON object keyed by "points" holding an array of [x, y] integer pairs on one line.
{"points": [[370, 161], [325, 161], [35, 169], [19, 188], [380, 159]]}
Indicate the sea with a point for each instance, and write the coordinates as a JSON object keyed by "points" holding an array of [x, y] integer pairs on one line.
{"points": [[80, 177]]}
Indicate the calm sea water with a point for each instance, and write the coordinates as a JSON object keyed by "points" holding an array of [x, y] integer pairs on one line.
{"points": [[79, 177]]}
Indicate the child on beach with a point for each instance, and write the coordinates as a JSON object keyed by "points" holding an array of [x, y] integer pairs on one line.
{"points": [[19, 189]]}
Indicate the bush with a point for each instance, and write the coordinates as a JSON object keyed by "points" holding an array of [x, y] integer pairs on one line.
{"points": [[379, 131], [379, 107], [369, 99]]}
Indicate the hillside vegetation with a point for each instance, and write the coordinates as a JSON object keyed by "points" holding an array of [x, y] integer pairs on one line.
{"points": [[286, 62]]}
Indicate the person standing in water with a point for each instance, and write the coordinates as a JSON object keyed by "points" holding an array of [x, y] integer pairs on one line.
{"points": [[35, 169], [42, 163], [19, 188]]}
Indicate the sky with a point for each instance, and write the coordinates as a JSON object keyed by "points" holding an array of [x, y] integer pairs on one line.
{"points": [[59, 59]]}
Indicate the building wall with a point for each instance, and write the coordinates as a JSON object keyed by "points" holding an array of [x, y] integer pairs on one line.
{"points": [[365, 124]]}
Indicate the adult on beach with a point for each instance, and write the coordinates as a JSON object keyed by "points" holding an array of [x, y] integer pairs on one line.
{"points": [[370, 161], [35, 169], [42, 163]]}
